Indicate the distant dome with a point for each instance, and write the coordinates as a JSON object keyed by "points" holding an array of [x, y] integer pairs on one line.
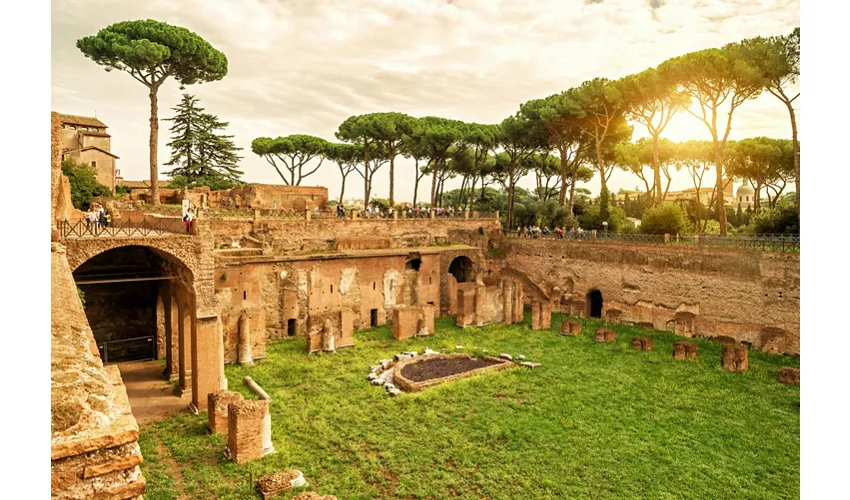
{"points": [[745, 190]]}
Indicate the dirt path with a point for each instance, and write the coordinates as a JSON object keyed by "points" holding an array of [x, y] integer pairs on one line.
{"points": [[151, 397]]}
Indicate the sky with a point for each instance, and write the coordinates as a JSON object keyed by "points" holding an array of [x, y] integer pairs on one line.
{"points": [[304, 66]]}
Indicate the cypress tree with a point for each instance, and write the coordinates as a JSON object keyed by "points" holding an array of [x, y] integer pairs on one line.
{"points": [[201, 155]]}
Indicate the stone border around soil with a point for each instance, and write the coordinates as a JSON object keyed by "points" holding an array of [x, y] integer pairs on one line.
{"points": [[408, 385]]}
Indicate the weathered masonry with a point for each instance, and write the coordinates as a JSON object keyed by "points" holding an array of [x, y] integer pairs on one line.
{"points": [[752, 297]]}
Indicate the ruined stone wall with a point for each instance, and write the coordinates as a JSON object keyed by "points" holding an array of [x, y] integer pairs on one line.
{"points": [[94, 449], [293, 236], [275, 290], [749, 296]]}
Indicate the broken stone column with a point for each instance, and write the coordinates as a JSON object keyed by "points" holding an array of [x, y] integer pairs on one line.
{"points": [[788, 375], [685, 350], [328, 336], [244, 347], [507, 302], [465, 307], [217, 403], [517, 305], [245, 430], [405, 322], [545, 315], [734, 358], [643, 343], [604, 335], [535, 316]]}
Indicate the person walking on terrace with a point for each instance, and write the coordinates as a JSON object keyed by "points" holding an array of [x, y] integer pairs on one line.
{"points": [[188, 218]]}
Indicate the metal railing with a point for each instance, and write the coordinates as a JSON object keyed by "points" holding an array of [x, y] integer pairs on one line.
{"points": [[755, 242], [135, 349], [147, 226]]}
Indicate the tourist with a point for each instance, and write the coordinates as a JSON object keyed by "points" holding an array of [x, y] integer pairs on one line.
{"points": [[518, 232], [101, 219], [188, 218], [88, 218]]}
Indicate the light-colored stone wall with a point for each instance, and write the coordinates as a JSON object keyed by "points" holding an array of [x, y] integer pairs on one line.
{"points": [[94, 450], [749, 296]]}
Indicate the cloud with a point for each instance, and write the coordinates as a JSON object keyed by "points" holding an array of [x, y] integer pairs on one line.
{"points": [[301, 66]]}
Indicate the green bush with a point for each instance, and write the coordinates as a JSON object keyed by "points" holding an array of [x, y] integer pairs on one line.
{"points": [[667, 218], [784, 219], [590, 219], [84, 185]]}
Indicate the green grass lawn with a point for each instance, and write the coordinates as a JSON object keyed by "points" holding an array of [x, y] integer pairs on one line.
{"points": [[595, 421]]}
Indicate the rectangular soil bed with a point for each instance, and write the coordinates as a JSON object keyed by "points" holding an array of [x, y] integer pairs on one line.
{"points": [[417, 373]]}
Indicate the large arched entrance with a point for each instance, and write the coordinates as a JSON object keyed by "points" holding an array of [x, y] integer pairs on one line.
{"points": [[139, 302], [463, 269], [594, 304]]}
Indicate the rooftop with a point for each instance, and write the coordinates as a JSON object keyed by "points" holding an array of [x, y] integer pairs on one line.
{"points": [[86, 121]]}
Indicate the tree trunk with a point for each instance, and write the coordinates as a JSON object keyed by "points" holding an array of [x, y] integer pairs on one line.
{"points": [[153, 148], [562, 202], [416, 181], [342, 189], [392, 177], [796, 149], [573, 190], [656, 172], [721, 206], [510, 207], [434, 189]]}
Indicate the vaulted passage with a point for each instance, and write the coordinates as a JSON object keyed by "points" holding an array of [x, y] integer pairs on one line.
{"points": [[462, 269], [594, 304]]}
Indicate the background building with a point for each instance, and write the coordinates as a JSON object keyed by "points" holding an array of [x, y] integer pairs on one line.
{"points": [[84, 139]]}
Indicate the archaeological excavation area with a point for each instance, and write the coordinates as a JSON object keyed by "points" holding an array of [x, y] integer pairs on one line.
{"points": [[368, 358]]}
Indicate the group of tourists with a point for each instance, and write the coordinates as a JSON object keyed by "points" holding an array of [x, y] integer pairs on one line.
{"points": [[340, 211], [97, 218], [532, 231]]}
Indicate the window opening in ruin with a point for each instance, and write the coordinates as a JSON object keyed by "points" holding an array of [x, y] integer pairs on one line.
{"points": [[594, 304], [244, 295], [94, 164], [291, 325], [413, 264], [373, 285], [429, 280], [462, 269], [332, 289], [373, 317]]}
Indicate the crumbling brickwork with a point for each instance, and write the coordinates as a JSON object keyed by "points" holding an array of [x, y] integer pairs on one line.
{"points": [[752, 297], [217, 411], [245, 421], [94, 450]]}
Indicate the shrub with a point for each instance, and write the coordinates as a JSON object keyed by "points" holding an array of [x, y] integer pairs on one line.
{"points": [[84, 185], [590, 219], [666, 218], [784, 219]]}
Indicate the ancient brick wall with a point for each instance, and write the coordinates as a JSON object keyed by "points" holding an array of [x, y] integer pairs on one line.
{"points": [[94, 450], [749, 296], [293, 236], [277, 290]]}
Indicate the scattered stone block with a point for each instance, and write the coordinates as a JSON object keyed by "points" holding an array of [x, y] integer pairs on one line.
{"points": [[506, 356], [377, 381], [604, 335], [274, 485], [734, 358], [459, 347], [685, 350], [788, 375], [386, 363], [245, 426], [520, 357], [643, 343], [372, 376], [529, 364], [395, 391], [217, 403], [429, 351]]}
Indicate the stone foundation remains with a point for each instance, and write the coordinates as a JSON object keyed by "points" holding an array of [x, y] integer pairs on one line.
{"points": [[788, 375], [685, 350], [734, 358], [604, 335], [217, 408], [643, 343], [245, 432]]}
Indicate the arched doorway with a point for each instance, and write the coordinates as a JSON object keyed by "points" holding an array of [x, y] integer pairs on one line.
{"points": [[594, 304], [414, 262], [463, 269]]}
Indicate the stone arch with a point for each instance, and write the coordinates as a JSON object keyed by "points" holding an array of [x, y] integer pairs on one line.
{"points": [[413, 261], [594, 303], [532, 289], [463, 269]]}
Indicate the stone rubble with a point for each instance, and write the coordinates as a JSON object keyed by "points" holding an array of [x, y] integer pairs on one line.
{"points": [[529, 364], [506, 356]]}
